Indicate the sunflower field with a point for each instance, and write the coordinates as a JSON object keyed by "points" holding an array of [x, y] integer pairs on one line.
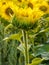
{"points": [[24, 32]]}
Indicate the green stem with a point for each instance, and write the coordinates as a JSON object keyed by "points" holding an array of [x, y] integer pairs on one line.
{"points": [[25, 40]]}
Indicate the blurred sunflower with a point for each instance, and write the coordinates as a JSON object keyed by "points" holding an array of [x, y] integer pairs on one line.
{"points": [[32, 11], [26, 11], [33, 3], [7, 10], [47, 2], [44, 7]]}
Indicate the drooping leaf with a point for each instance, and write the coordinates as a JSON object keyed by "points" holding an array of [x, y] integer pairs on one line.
{"points": [[36, 61], [14, 37]]}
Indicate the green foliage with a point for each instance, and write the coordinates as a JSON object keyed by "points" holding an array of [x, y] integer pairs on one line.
{"points": [[12, 47]]}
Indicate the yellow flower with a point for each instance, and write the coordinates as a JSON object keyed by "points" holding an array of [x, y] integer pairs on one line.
{"points": [[31, 12], [26, 11], [7, 10], [32, 3], [44, 7]]}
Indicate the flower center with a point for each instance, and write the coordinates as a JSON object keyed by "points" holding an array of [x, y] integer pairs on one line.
{"points": [[48, 2], [3, 3], [20, 0], [43, 8], [30, 5], [9, 11]]}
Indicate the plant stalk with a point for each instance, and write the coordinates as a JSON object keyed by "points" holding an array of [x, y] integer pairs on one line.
{"points": [[25, 40]]}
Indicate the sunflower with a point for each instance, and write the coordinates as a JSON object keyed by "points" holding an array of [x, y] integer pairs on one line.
{"points": [[26, 17], [33, 3], [7, 10], [26, 12], [44, 7]]}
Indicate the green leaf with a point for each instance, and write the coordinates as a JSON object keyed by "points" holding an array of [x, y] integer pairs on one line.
{"points": [[45, 55], [36, 61], [14, 37]]}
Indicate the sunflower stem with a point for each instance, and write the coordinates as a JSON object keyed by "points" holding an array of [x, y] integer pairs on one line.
{"points": [[25, 40]]}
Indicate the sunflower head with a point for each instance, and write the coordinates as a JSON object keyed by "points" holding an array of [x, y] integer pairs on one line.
{"points": [[30, 5], [43, 8], [48, 2], [26, 12], [7, 10], [27, 17]]}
